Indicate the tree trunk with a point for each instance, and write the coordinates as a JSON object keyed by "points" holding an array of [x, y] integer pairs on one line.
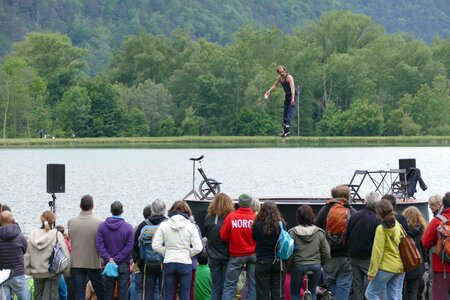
{"points": [[6, 109]]}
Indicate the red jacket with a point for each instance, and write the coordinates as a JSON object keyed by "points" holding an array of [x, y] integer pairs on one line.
{"points": [[429, 239], [237, 232]]}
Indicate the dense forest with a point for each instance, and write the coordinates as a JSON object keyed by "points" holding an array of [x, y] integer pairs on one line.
{"points": [[101, 25], [354, 79]]}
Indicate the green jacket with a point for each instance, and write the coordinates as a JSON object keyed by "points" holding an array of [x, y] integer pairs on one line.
{"points": [[385, 252], [310, 246]]}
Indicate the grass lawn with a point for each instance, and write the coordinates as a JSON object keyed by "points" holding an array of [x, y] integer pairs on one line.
{"points": [[225, 142]]}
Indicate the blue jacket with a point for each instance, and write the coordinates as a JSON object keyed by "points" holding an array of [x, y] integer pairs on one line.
{"points": [[13, 246], [115, 239]]}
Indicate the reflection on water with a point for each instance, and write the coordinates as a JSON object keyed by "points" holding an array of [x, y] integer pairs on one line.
{"points": [[137, 176]]}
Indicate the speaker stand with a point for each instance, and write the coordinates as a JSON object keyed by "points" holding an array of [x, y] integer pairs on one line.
{"points": [[52, 205]]}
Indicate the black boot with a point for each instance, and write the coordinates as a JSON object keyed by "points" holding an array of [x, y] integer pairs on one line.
{"points": [[286, 130]]}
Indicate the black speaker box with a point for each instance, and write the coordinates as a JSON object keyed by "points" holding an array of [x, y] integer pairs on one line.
{"points": [[56, 178], [406, 163]]}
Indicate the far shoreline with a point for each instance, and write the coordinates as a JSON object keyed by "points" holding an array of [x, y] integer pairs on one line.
{"points": [[227, 142]]}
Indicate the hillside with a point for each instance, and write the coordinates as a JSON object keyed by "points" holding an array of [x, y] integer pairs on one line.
{"points": [[102, 25]]}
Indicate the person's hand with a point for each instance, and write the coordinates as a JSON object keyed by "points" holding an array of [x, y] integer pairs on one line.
{"points": [[293, 103], [370, 278], [266, 95], [111, 260]]}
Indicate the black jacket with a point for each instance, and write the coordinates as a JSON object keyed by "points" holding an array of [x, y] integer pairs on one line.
{"points": [[216, 248], [416, 233], [153, 220], [321, 222], [13, 246], [412, 178], [361, 233], [265, 244]]}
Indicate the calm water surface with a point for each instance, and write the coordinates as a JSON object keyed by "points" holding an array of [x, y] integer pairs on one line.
{"points": [[137, 176]]}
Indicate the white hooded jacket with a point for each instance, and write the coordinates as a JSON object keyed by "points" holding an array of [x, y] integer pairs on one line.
{"points": [[177, 240]]}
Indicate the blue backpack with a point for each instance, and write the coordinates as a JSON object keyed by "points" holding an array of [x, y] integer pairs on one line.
{"points": [[285, 244], [151, 258]]}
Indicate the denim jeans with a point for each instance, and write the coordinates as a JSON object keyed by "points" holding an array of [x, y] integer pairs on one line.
{"points": [[234, 269], [152, 285], [269, 279], [360, 268], [218, 269], [338, 276], [80, 278], [288, 111], [297, 273], [172, 272], [388, 285], [17, 285], [110, 282]]}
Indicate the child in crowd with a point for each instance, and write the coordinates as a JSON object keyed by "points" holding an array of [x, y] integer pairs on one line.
{"points": [[63, 290], [202, 286]]}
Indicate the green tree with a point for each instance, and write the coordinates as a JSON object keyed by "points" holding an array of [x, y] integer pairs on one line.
{"points": [[154, 100], [190, 125], [73, 111], [250, 123], [22, 99], [431, 106], [363, 119], [136, 124], [55, 59], [167, 127], [332, 122], [107, 112]]}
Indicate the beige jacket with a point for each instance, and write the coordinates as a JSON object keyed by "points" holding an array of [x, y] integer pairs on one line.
{"points": [[83, 234], [40, 248]]}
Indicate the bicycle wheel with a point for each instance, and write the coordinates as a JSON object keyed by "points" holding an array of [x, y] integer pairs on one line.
{"points": [[207, 192], [307, 296]]}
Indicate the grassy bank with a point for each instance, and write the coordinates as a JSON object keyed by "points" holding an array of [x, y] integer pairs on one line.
{"points": [[224, 142]]}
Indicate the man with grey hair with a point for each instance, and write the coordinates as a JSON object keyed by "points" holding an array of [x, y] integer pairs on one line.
{"points": [[360, 235], [152, 276]]}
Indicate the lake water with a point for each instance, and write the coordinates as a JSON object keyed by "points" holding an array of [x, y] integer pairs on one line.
{"points": [[137, 176]]}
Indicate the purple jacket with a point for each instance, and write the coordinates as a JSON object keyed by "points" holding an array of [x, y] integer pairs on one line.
{"points": [[115, 239]]}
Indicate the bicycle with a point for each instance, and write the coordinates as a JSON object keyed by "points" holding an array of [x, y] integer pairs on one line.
{"points": [[307, 295], [207, 188]]}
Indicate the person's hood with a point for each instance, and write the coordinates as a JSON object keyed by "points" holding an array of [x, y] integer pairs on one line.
{"points": [[156, 220], [178, 222], [41, 239], [306, 233], [9, 232], [390, 230], [114, 223]]}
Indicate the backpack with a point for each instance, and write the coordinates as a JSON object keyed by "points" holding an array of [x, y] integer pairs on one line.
{"points": [[285, 244], [337, 222], [151, 258], [443, 243], [58, 261]]}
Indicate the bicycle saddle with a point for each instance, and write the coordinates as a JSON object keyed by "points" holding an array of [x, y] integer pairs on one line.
{"points": [[199, 158]]}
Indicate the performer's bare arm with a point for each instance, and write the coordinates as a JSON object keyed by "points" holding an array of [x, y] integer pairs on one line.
{"points": [[290, 80], [274, 86]]}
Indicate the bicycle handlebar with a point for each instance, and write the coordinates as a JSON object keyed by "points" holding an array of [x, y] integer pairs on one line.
{"points": [[198, 158]]}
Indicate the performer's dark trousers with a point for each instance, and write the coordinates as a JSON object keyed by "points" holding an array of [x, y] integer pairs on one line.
{"points": [[288, 111]]}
